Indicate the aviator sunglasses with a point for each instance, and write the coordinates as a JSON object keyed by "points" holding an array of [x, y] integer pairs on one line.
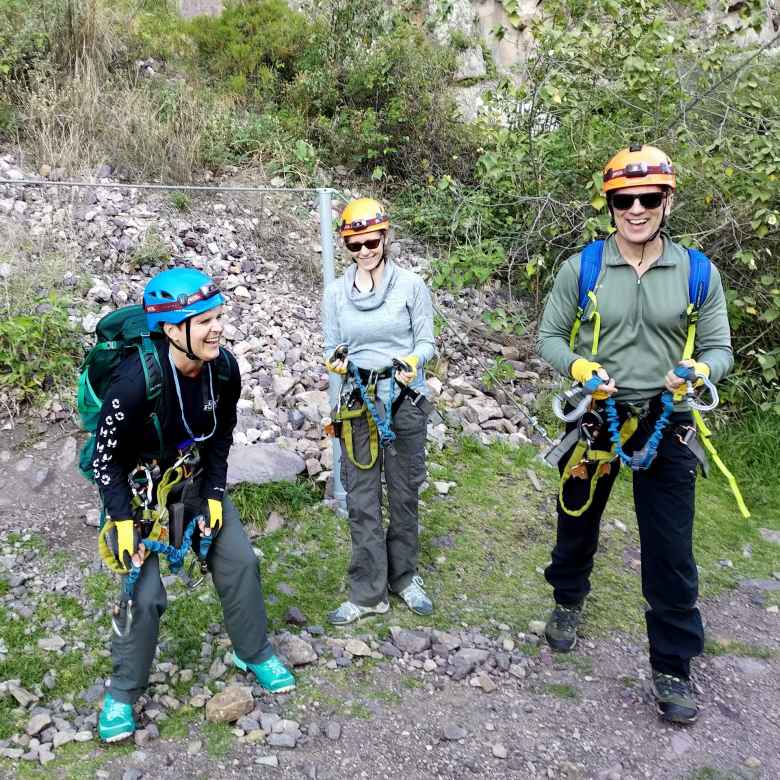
{"points": [[356, 246], [623, 201]]}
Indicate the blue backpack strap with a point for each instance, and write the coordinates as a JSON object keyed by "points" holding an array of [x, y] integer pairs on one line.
{"points": [[590, 268], [698, 278]]}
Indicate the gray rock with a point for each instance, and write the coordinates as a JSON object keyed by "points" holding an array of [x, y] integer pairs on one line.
{"points": [[275, 522], [333, 731], [133, 773], [271, 761], [143, 737], [411, 641], [62, 738], [499, 751], [282, 385], [770, 535], [453, 732], [681, 743], [470, 64], [267, 722], [295, 617], [38, 723], [281, 740], [389, 650], [470, 655], [296, 650], [247, 723], [262, 463]]}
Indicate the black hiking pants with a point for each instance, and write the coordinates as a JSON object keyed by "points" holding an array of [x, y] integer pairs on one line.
{"points": [[664, 502], [384, 559], [236, 577]]}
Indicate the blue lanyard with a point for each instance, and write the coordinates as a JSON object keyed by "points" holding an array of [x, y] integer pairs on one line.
{"points": [[181, 404]]}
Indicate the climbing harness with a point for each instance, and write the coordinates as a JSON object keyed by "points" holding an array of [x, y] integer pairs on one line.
{"points": [[357, 399], [122, 613], [161, 528]]}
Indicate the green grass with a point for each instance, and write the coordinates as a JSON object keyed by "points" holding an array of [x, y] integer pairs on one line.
{"points": [[736, 647], [218, 739], [560, 690]]}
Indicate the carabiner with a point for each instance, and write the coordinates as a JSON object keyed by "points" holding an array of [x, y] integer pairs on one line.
{"points": [[574, 397], [122, 616], [694, 398]]}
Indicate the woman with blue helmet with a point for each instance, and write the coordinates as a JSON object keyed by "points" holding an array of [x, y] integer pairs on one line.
{"points": [[196, 416]]}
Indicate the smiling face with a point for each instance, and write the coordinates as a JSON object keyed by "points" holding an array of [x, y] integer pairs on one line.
{"points": [[205, 333], [367, 259], [638, 223]]}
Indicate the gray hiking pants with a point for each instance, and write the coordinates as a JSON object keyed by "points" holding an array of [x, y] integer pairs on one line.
{"points": [[236, 577], [384, 559]]}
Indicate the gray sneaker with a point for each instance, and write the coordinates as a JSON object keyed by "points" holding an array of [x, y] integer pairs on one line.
{"points": [[348, 612], [416, 598]]}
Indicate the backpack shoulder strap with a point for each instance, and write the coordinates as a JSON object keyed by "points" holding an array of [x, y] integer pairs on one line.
{"points": [[698, 278], [224, 366], [590, 269], [699, 273]]}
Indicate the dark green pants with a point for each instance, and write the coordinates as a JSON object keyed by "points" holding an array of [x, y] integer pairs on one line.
{"points": [[236, 577], [382, 559]]}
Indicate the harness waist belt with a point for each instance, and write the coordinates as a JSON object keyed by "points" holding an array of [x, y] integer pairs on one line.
{"points": [[374, 374]]}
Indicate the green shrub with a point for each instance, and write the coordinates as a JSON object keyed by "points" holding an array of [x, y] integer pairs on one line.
{"points": [[252, 47], [601, 77], [39, 350]]}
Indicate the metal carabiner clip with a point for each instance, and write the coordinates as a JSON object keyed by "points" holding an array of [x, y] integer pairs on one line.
{"points": [[694, 398], [122, 616]]}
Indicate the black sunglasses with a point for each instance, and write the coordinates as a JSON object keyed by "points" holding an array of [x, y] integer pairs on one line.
{"points": [[623, 201], [356, 246]]}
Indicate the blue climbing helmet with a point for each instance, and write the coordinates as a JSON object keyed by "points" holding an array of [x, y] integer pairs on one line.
{"points": [[176, 295]]}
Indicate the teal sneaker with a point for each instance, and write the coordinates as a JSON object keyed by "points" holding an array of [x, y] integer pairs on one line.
{"points": [[272, 674], [116, 720]]}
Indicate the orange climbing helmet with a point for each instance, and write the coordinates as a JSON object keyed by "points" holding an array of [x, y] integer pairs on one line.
{"points": [[638, 165], [363, 215]]}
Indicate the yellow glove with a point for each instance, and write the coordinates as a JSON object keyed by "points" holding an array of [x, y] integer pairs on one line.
{"points": [[334, 362], [117, 542], [215, 515], [410, 363], [701, 368], [582, 370]]}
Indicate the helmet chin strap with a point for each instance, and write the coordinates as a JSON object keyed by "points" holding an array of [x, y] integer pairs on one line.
{"points": [[188, 352]]}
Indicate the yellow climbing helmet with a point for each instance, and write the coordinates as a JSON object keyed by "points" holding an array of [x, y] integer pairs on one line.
{"points": [[638, 165], [363, 215]]}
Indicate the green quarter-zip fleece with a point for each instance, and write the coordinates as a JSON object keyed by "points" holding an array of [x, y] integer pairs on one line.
{"points": [[643, 322]]}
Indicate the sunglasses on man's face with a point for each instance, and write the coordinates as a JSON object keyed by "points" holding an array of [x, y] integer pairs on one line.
{"points": [[622, 201], [356, 246]]}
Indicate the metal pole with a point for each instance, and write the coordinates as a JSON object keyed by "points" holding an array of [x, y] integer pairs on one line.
{"points": [[334, 380]]}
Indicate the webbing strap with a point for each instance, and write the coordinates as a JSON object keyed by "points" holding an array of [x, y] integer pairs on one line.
{"points": [[705, 434], [373, 438], [602, 457]]}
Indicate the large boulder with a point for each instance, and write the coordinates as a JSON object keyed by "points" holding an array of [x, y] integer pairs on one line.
{"points": [[261, 463]]}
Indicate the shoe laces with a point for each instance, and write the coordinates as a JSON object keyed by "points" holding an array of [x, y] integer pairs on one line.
{"points": [[275, 666], [670, 684], [415, 590], [566, 617], [116, 708]]}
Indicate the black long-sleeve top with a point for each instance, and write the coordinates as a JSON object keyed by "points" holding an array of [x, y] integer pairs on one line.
{"points": [[125, 435]]}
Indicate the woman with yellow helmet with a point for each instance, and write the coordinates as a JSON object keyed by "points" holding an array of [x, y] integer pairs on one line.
{"points": [[378, 327], [631, 332]]}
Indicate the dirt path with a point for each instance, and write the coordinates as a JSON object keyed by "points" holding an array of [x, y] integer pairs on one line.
{"points": [[588, 715]]}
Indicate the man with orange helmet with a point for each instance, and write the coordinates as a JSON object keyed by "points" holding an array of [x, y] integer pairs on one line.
{"points": [[631, 333], [378, 327]]}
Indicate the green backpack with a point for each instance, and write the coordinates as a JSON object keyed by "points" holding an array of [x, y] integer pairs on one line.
{"points": [[119, 333]]}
